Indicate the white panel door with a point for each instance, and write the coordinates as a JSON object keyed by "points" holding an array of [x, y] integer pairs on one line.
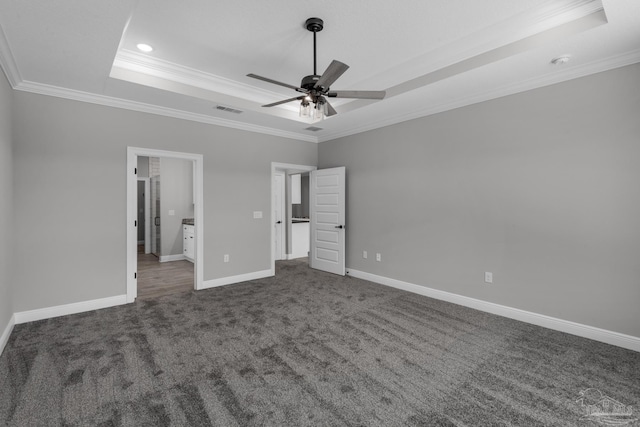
{"points": [[327, 212], [278, 214]]}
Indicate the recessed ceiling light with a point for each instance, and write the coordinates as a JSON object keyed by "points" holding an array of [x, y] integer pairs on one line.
{"points": [[561, 60], [144, 47]]}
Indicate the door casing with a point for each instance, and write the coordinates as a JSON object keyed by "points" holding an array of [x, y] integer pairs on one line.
{"points": [[280, 213], [132, 214]]}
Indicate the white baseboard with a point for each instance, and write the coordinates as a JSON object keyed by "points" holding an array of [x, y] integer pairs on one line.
{"points": [[63, 310], [597, 334], [169, 258], [4, 338], [236, 279]]}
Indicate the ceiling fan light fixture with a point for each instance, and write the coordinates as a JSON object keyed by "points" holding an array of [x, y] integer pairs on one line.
{"points": [[305, 108], [320, 110]]}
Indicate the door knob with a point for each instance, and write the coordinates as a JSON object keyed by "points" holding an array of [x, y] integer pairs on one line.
{"points": [[279, 222], [340, 226]]}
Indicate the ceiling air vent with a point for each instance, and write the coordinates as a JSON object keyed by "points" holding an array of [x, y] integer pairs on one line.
{"points": [[313, 129], [228, 109]]}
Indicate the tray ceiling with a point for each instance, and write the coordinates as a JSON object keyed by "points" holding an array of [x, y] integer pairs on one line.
{"points": [[428, 56]]}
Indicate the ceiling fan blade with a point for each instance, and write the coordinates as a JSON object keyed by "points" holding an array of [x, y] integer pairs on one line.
{"points": [[331, 74], [330, 110], [285, 101], [361, 94], [275, 82]]}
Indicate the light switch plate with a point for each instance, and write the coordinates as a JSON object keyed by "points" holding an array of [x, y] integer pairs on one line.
{"points": [[172, 212], [257, 214]]}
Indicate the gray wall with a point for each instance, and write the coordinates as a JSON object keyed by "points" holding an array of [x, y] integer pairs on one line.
{"points": [[302, 210], [176, 188], [6, 204], [66, 151], [143, 167], [541, 188]]}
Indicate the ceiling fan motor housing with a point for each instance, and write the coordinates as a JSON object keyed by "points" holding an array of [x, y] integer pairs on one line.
{"points": [[308, 82]]}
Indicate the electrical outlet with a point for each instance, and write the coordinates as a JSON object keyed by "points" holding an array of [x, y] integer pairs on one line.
{"points": [[364, 254], [226, 257], [378, 257], [488, 277]]}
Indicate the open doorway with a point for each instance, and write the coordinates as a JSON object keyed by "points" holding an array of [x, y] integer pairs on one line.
{"points": [[174, 213], [168, 267], [290, 225]]}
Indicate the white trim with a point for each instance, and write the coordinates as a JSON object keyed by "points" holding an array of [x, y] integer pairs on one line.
{"points": [[8, 61], [585, 331], [76, 95], [237, 279], [132, 213], [66, 309], [169, 258], [283, 215], [4, 338], [156, 67], [617, 61]]}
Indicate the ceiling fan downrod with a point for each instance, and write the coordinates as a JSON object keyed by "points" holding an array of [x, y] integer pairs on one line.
{"points": [[314, 25]]}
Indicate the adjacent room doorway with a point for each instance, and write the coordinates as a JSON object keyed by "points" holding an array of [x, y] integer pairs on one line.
{"points": [[132, 214], [326, 215]]}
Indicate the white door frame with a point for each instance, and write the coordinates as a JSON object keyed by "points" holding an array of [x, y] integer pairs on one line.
{"points": [[147, 214], [288, 169], [132, 214], [281, 207]]}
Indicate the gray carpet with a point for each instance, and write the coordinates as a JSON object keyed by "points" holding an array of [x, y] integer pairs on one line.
{"points": [[303, 348]]}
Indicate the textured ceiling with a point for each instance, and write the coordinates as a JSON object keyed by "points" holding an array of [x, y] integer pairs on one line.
{"points": [[428, 56]]}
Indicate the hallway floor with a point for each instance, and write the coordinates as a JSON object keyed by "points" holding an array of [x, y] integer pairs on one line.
{"points": [[162, 278]]}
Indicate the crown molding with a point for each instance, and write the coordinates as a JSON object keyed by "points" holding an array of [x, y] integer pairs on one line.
{"points": [[144, 64], [594, 67], [8, 62], [76, 95]]}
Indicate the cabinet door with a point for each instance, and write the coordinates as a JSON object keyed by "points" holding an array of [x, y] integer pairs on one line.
{"points": [[190, 253], [188, 242]]}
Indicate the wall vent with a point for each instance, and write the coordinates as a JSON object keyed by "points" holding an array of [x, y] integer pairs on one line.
{"points": [[228, 109], [313, 128]]}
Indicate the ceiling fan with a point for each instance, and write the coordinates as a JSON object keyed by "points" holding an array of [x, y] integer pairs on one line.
{"points": [[316, 88]]}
